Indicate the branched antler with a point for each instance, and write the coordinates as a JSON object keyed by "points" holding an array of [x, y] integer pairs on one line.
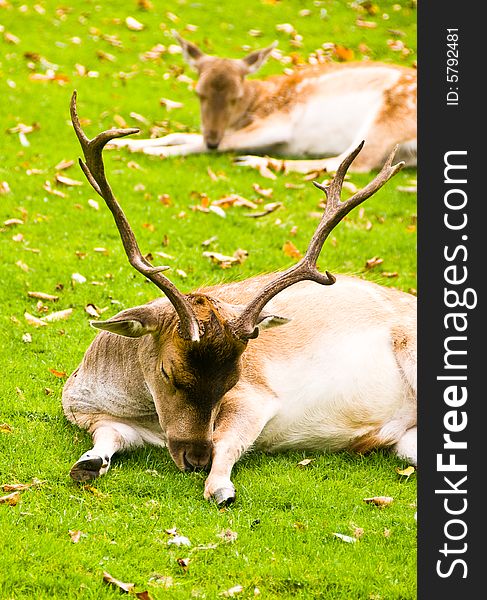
{"points": [[306, 268], [95, 173]]}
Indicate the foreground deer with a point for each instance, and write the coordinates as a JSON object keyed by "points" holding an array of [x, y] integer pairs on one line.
{"points": [[333, 368], [322, 111]]}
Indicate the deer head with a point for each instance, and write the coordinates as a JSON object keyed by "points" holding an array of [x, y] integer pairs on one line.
{"points": [[221, 87], [194, 342]]}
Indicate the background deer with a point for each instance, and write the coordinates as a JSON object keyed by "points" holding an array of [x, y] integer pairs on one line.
{"points": [[334, 366], [321, 111]]}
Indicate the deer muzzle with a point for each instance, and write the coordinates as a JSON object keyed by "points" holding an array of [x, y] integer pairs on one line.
{"points": [[191, 455]]}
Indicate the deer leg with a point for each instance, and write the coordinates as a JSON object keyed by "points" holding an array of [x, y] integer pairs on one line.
{"points": [[108, 437], [236, 430], [173, 139], [407, 446]]}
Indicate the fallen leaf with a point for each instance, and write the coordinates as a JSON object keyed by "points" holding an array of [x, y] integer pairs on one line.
{"points": [[233, 591], [343, 53], [43, 296], [4, 187], [27, 338], [75, 535], [290, 249], [345, 538], [121, 585], [67, 180], [358, 532], [305, 462], [227, 535], [23, 266], [267, 192], [217, 210], [234, 200], [221, 260], [19, 487], [133, 24], [379, 500], [12, 499], [92, 311], [94, 491], [268, 209], [93, 204], [5, 428], [34, 321], [373, 262], [183, 563], [407, 472], [170, 104], [48, 188], [64, 164], [60, 315], [366, 24], [58, 374], [10, 222], [78, 278], [178, 540], [390, 274]]}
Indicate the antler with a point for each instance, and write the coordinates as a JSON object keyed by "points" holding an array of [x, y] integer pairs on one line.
{"points": [[95, 173], [306, 268]]}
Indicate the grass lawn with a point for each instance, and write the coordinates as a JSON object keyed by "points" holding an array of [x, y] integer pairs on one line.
{"points": [[278, 538]]}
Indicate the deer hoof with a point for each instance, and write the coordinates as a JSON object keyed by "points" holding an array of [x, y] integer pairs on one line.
{"points": [[87, 469], [224, 496]]}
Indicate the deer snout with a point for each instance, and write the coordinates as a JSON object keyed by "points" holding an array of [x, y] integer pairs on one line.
{"points": [[190, 455], [212, 140]]}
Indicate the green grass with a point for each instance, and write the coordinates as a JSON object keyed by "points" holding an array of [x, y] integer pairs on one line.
{"points": [[285, 515]]}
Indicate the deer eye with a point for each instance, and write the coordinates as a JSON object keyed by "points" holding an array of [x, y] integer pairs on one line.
{"points": [[164, 374]]}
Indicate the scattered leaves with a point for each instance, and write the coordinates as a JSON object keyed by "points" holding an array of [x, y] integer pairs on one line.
{"points": [[268, 209], [34, 321], [305, 462], [67, 180], [58, 374], [60, 315], [133, 24], [121, 585], [5, 428], [170, 104], [183, 563], [267, 192]]}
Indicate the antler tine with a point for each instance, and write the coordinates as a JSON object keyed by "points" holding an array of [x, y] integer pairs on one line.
{"points": [[306, 268], [94, 171]]}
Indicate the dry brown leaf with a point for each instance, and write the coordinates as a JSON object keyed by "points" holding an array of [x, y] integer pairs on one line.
{"points": [[92, 311], [268, 209], [221, 260], [19, 487], [170, 104], [48, 188], [59, 315], [183, 563], [58, 374], [75, 535], [366, 24], [379, 500], [373, 262], [23, 266], [5, 428], [11, 499], [93, 204], [121, 585], [234, 200], [94, 491], [67, 180], [267, 192], [4, 187], [290, 249], [64, 164], [43, 296], [34, 321], [27, 338], [305, 462]]}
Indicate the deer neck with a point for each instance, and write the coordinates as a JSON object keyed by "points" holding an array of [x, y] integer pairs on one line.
{"points": [[254, 103]]}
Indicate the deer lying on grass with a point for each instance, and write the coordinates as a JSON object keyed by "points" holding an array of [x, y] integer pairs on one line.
{"points": [[321, 111], [333, 368]]}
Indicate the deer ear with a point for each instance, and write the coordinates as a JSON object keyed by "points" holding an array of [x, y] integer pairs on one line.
{"points": [[133, 322], [267, 321], [256, 59], [191, 53]]}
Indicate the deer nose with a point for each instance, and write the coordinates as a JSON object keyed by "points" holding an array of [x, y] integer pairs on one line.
{"points": [[212, 141], [191, 456], [212, 145]]}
